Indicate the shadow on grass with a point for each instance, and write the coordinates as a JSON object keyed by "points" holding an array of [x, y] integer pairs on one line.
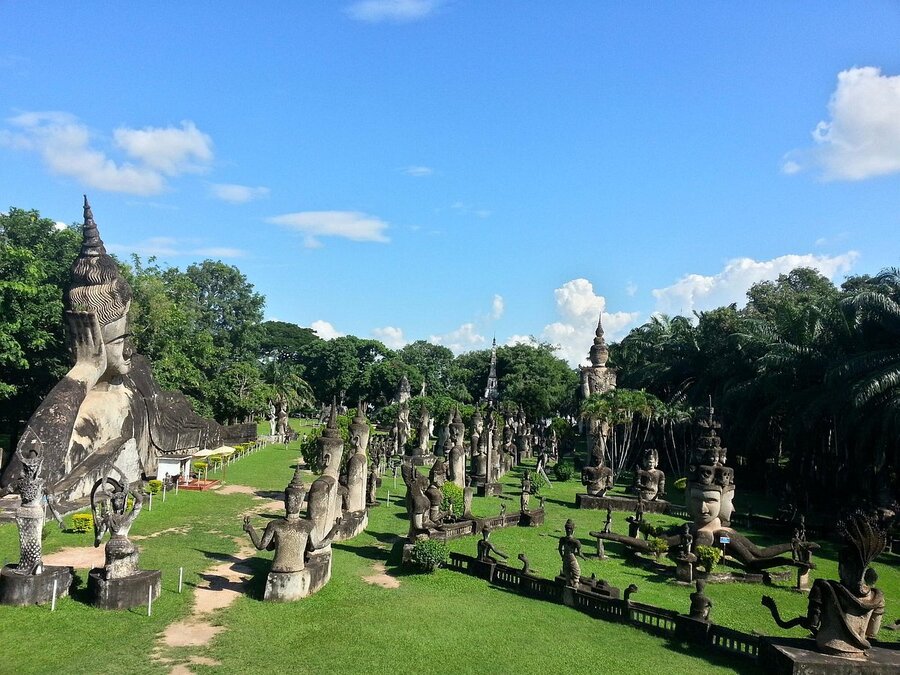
{"points": [[274, 495], [368, 552]]}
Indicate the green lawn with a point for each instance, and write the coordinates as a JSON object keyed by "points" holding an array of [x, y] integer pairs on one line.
{"points": [[445, 622]]}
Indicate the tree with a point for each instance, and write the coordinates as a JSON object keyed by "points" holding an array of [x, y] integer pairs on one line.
{"points": [[285, 341], [626, 414]]}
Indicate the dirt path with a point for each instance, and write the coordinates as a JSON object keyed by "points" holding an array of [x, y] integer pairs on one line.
{"points": [[381, 577]]}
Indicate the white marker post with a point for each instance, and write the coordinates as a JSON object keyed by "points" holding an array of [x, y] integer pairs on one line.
{"points": [[53, 598], [176, 485], [164, 491], [150, 507], [180, 578], [149, 599], [388, 500]]}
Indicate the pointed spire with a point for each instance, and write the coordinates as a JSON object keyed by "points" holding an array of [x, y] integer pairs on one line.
{"points": [[91, 243], [599, 350], [331, 429]]}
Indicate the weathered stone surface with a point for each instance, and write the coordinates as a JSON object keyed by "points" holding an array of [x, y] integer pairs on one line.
{"points": [[798, 656], [33, 589], [352, 523], [124, 593], [585, 501], [288, 586], [490, 489], [532, 518]]}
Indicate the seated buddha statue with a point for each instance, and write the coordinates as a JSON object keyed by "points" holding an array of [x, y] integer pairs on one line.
{"points": [[649, 481]]}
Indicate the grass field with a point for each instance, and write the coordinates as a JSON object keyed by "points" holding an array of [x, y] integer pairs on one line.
{"points": [[440, 623]]}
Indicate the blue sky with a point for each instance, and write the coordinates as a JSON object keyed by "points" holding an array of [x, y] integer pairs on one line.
{"points": [[418, 169]]}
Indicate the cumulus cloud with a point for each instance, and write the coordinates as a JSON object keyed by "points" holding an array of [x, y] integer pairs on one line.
{"points": [[418, 171], [346, 224], [325, 330], [497, 307], [697, 292], [463, 339], [397, 11], [862, 137], [513, 340], [171, 247], [579, 308], [237, 194], [391, 336], [67, 148]]}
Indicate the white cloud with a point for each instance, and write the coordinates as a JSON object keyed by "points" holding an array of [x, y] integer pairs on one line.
{"points": [[59, 225], [463, 339], [67, 147], [631, 288], [237, 194], [399, 11], [390, 336], [580, 307], [170, 247], [325, 330], [520, 340], [467, 209], [347, 224], [497, 307], [418, 171], [862, 137], [699, 292]]}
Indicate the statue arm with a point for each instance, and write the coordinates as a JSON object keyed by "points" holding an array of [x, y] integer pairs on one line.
{"points": [[751, 554], [324, 541]]}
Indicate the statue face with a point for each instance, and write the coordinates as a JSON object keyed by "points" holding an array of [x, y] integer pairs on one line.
{"points": [[650, 462], [292, 502], [704, 505], [727, 507], [118, 347]]}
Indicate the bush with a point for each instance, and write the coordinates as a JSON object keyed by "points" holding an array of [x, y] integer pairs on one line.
{"points": [[538, 483], [154, 487], [563, 471], [681, 483], [658, 546], [212, 460], [429, 554], [708, 556], [200, 467], [453, 494], [309, 450], [82, 522], [651, 530]]}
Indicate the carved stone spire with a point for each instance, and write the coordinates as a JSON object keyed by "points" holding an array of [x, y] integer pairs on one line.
{"points": [[492, 391], [599, 350]]}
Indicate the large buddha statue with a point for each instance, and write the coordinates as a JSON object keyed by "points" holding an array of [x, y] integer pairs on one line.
{"points": [[457, 452], [108, 411], [597, 477], [649, 481], [357, 464]]}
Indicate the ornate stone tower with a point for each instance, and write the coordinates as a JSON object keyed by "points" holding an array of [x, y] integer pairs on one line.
{"points": [[597, 378], [492, 390]]}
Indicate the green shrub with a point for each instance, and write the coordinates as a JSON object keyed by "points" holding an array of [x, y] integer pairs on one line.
{"points": [[154, 487], [309, 450], [453, 494], [658, 546], [429, 554], [680, 483], [538, 483], [212, 460], [708, 556], [563, 471], [200, 467], [82, 522], [651, 530]]}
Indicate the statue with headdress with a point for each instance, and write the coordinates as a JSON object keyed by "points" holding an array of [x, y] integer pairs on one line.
{"points": [[649, 481], [109, 506], [108, 411], [844, 615]]}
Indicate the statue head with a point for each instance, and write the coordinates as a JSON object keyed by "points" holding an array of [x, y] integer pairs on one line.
{"points": [[650, 459], [485, 532], [97, 286], [570, 527], [863, 542], [294, 494], [704, 503]]}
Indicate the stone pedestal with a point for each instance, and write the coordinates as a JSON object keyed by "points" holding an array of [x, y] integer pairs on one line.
{"points": [[586, 501], [684, 569], [288, 586], [131, 591], [532, 518], [33, 589], [798, 656], [352, 524], [803, 579], [490, 490]]}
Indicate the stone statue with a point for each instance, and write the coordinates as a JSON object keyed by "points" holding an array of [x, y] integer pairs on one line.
{"points": [[284, 428], [687, 541], [403, 391], [570, 550], [649, 481], [30, 514], [272, 418], [372, 485], [403, 427], [437, 476], [457, 452], [486, 548], [597, 477], [418, 505], [109, 511], [108, 410], [526, 565], [598, 378], [468, 494], [357, 463], [443, 444], [326, 488], [607, 526], [700, 604], [424, 432], [844, 615], [526, 492]]}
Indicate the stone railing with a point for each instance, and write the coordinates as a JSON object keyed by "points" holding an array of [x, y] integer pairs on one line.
{"points": [[601, 601]]}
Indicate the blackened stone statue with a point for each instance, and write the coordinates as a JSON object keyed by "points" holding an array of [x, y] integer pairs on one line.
{"points": [[486, 550], [649, 481], [570, 550]]}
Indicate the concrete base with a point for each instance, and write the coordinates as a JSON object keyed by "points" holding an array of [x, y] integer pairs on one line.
{"points": [[684, 569], [799, 656], [33, 589], [586, 501], [124, 593], [289, 586], [490, 490], [532, 518], [352, 524]]}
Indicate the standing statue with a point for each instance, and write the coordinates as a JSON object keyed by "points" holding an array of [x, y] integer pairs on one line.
{"points": [[437, 476], [372, 486], [424, 432], [457, 452], [403, 427], [272, 419], [418, 505], [293, 539], [526, 492], [570, 550], [844, 615], [701, 605]]}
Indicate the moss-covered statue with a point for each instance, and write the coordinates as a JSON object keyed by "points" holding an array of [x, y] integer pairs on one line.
{"points": [[107, 411], [844, 615]]}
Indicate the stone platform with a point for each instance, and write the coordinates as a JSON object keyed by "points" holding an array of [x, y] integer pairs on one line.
{"points": [[799, 656], [489, 489], [629, 504], [421, 460], [288, 586], [33, 589], [531, 518], [123, 593]]}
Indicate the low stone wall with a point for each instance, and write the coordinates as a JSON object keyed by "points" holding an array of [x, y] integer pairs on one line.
{"points": [[467, 528], [602, 601]]}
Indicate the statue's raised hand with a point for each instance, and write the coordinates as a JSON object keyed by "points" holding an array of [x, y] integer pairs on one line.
{"points": [[90, 351], [247, 525]]}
